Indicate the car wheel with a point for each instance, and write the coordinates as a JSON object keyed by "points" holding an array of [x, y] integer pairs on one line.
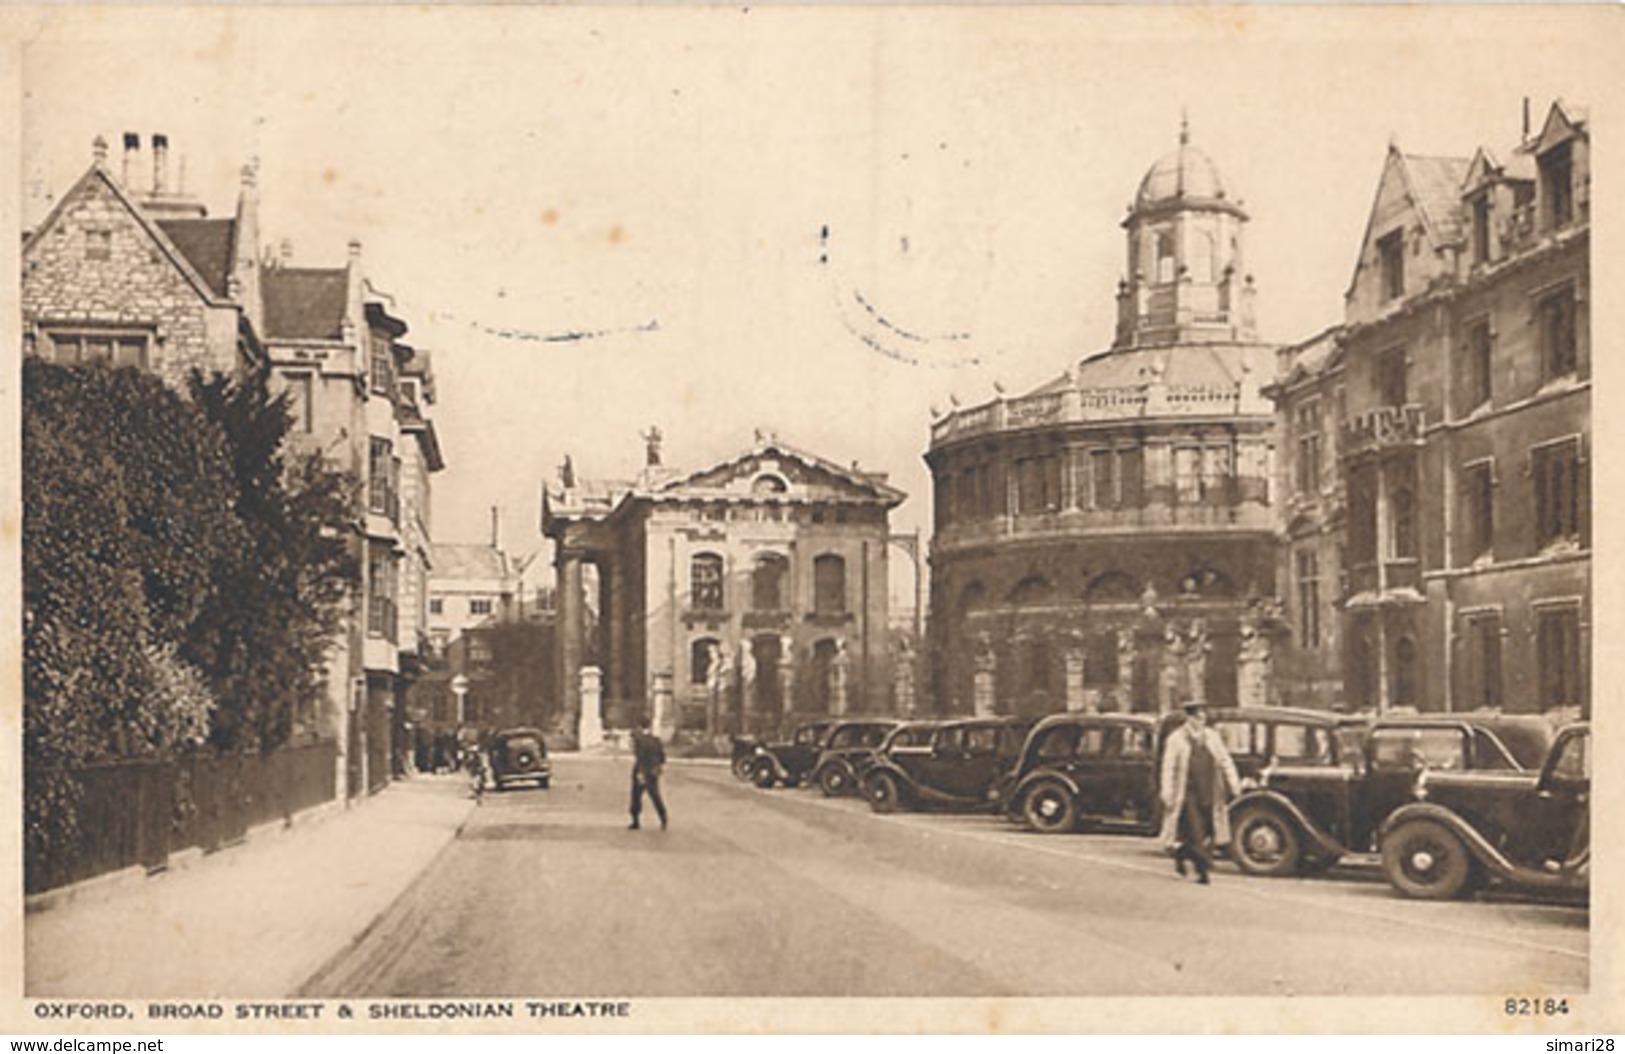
{"points": [[741, 767], [762, 775], [1264, 842], [883, 793], [834, 781], [1424, 859], [1049, 808]]}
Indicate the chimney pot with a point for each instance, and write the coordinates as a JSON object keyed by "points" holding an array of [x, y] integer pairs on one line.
{"points": [[160, 163], [286, 250], [98, 150], [355, 248]]}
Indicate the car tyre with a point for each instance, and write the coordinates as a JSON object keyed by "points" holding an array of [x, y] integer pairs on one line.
{"points": [[741, 767], [1265, 842], [1049, 808], [834, 781], [1424, 859], [883, 792], [762, 775]]}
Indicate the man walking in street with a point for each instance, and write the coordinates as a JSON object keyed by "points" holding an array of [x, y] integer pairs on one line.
{"points": [[648, 758], [1198, 780]]}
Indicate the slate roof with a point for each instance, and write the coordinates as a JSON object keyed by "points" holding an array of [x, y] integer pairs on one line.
{"points": [[472, 562], [1209, 366], [304, 303], [207, 244], [1436, 181]]}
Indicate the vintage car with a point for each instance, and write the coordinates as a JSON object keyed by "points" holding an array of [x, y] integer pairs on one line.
{"points": [[519, 755], [1103, 770], [790, 761], [1309, 812], [947, 764], [848, 750], [1521, 828]]}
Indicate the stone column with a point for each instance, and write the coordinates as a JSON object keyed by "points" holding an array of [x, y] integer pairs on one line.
{"points": [[787, 676], [1128, 654], [570, 637], [591, 732], [982, 691], [839, 669]]}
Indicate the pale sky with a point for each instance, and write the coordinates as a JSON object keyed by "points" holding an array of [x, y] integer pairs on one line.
{"points": [[661, 178]]}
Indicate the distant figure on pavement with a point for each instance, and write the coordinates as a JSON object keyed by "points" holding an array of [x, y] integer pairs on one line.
{"points": [[1198, 780], [648, 758]]}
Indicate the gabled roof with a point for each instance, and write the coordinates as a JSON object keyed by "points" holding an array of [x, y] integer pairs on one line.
{"points": [[97, 173], [305, 303], [1435, 184], [473, 562], [208, 244], [1314, 356], [1562, 122]]}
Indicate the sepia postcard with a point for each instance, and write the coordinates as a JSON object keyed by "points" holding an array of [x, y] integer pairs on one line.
{"points": [[785, 519]]}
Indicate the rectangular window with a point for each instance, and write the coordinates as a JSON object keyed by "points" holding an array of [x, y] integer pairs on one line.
{"points": [[1308, 599], [1557, 184], [1558, 479], [1481, 229], [1129, 475], [1214, 481], [300, 389], [381, 365], [1557, 643], [1309, 448], [382, 589], [1103, 479], [705, 582], [1554, 317], [1475, 366], [437, 606], [1391, 262], [98, 245], [1052, 482], [380, 452], [829, 585], [985, 505], [1391, 380], [117, 348], [1483, 659], [1188, 474], [479, 606], [1478, 509]]}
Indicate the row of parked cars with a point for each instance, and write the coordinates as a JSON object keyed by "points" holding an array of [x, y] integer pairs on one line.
{"points": [[1448, 802]]}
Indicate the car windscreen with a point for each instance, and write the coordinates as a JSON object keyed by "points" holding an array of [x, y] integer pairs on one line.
{"points": [[1302, 744], [1409, 748], [522, 744]]}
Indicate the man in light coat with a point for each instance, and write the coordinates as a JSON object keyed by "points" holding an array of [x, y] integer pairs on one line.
{"points": [[1198, 780]]}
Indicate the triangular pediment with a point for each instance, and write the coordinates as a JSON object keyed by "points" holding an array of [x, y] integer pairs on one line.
{"points": [[1483, 169], [773, 471]]}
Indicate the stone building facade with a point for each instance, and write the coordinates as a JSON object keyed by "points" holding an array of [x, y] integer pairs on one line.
{"points": [[726, 599], [1466, 448], [1107, 541], [1312, 507]]}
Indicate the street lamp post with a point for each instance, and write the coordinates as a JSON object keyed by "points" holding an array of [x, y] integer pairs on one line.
{"points": [[459, 688]]}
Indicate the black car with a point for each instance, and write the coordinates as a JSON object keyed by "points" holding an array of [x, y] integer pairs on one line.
{"points": [[951, 764], [1310, 811], [850, 745], [1520, 828], [519, 755], [790, 761]]}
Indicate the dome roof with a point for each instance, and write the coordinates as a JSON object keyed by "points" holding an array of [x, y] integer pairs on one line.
{"points": [[1182, 173]]}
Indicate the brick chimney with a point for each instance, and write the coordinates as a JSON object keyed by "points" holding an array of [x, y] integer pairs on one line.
{"points": [[132, 152], [160, 163], [245, 265]]}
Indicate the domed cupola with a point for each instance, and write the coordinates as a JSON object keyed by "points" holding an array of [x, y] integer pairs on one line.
{"points": [[1185, 281]]}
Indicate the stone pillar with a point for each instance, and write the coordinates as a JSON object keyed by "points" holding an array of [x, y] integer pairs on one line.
{"points": [[664, 720], [1197, 648], [1073, 659], [839, 669], [592, 719], [787, 676], [571, 634], [1128, 654]]}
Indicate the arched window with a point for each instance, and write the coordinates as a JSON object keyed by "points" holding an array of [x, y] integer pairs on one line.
{"points": [[1202, 257], [829, 585], [705, 582], [767, 582], [1113, 585], [1165, 256], [699, 660], [1034, 590]]}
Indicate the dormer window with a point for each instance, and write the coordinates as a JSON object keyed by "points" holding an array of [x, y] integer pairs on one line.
{"points": [[1557, 186], [1391, 262]]}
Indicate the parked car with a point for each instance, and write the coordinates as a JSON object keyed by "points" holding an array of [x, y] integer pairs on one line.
{"points": [[1103, 770], [790, 761], [850, 745], [519, 755], [744, 753], [1522, 828], [1309, 812], [950, 764]]}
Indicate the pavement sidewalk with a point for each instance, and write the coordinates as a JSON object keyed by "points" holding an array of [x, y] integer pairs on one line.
{"points": [[251, 921]]}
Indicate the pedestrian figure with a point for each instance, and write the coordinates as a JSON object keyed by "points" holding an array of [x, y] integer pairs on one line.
{"points": [[1198, 780], [648, 758]]}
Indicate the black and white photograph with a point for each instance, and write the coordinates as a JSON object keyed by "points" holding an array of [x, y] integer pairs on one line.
{"points": [[968, 519]]}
